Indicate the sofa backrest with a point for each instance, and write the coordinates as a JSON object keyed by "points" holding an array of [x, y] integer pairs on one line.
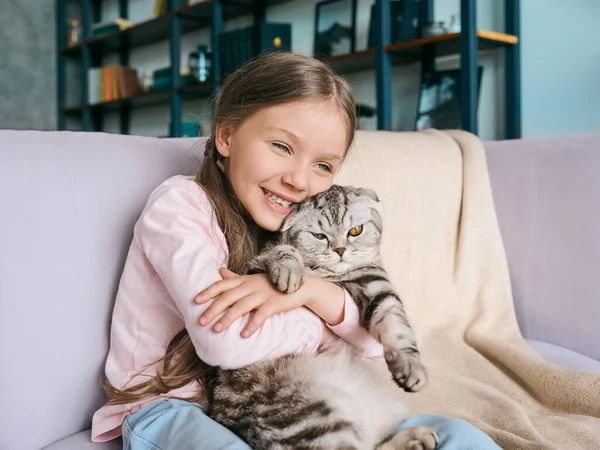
{"points": [[68, 204], [547, 198]]}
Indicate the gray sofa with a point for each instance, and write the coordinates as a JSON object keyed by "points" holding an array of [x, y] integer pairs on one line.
{"points": [[69, 202]]}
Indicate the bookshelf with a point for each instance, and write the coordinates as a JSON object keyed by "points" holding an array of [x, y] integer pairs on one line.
{"points": [[213, 13]]}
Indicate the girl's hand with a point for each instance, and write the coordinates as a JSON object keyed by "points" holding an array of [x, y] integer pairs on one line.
{"points": [[237, 295]]}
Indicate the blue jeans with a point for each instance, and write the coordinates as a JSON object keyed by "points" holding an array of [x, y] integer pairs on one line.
{"points": [[176, 424]]}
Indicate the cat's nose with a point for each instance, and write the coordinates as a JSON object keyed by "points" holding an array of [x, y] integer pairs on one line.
{"points": [[340, 251]]}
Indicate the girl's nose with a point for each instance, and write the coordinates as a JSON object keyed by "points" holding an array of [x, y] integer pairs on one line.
{"points": [[297, 178]]}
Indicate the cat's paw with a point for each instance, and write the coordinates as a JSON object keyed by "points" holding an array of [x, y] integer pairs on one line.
{"points": [[406, 369], [415, 438], [286, 270]]}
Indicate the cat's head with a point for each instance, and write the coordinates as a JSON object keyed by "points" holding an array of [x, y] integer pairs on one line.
{"points": [[336, 230]]}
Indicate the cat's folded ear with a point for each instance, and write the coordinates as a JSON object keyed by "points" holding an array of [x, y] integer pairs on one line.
{"points": [[369, 193], [291, 219]]}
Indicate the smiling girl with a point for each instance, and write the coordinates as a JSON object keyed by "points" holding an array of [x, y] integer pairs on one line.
{"points": [[283, 124]]}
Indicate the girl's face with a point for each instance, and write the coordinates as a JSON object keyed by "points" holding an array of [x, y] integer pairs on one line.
{"points": [[281, 155]]}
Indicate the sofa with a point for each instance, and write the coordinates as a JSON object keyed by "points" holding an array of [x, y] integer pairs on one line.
{"points": [[69, 202]]}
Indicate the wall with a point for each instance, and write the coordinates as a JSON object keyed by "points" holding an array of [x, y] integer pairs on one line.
{"points": [[560, 67], [27, 65]]}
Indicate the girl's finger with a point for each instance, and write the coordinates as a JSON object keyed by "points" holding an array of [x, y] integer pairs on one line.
{"points": [[226, 273], [221, 303], [242, 307], [217, 289], [259, 317]]}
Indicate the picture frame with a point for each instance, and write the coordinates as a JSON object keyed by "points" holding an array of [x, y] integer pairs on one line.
{"points": [[335, 28], [439, 100], [404, 22]]}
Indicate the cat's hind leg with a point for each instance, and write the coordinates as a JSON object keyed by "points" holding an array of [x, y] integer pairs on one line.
{"points": [[413, 438]]}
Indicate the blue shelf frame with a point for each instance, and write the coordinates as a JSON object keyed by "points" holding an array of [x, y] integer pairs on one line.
{"points": [[61, 65], [468, 65], [513, 70], [383, 65], [91, 11], [380, 59]]}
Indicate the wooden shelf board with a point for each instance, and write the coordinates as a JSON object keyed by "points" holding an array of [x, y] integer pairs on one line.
{"points": [[352, 62], [446, 45], [197, 89], [411, 51], [145, 99]]}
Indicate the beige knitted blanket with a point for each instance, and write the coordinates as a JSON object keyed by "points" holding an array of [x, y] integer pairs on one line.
{"points": [[443, 248]]}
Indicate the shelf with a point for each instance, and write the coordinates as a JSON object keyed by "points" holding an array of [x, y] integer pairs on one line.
{"points": [[401, 53], [197, 15], [352, 62], [411, 51], [146, 99], [197, 89], [446, 45]]}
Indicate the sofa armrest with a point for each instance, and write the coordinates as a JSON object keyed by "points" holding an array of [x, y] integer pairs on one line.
{"points": [[547, 197]]}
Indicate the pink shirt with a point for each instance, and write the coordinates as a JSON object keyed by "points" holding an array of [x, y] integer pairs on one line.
{"points": [[176, 252]]}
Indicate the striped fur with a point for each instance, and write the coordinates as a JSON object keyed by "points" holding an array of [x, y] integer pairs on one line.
{"points": [[334, 400], [330, 215]]}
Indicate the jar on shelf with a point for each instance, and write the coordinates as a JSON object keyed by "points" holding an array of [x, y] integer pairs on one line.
{"points": [[434, 29], [147, 81], [74, 32], [199, 64], [454, 24], [203, 63]]}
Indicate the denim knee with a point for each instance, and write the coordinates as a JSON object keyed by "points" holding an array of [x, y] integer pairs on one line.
{"points": [[453, 433]]}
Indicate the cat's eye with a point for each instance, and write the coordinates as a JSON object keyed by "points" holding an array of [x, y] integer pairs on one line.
{"points": [[319, 236], [355, 231]]}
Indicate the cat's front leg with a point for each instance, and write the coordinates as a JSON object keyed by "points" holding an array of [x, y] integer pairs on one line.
{"points": [[382, 315], [407, 369], [283, 264], [390, 325]]}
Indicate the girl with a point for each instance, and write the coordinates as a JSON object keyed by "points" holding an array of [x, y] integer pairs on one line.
{"points": [[283, 124]]}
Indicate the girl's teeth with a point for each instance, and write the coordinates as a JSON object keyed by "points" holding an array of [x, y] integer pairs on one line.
{"points": [[276, 199]]}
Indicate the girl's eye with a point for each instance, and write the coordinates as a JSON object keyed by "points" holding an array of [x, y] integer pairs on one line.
{"points": [[282, 147], [319, 236], [324, 167], [355, 231]]}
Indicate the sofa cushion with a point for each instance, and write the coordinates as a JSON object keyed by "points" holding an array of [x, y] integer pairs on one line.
{"points": [[550, 352], [69, 201], [81, 441], [544, 194], [565, 357]]}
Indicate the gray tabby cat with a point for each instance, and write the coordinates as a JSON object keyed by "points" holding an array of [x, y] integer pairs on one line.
{"points": [[333, 400]]}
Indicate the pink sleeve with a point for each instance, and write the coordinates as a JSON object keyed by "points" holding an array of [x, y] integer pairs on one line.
{"points": [[351, 330], [180, 237]]}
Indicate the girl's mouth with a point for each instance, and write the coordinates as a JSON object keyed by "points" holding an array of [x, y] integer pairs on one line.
{"points": [[276, 203]]}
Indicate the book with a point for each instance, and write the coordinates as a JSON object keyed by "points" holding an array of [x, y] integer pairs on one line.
{"points": [[161, 7], [111, 26], [111, 83]]}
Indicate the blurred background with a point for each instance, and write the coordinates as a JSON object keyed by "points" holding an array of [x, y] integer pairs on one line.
{"points": [[499, 68]]}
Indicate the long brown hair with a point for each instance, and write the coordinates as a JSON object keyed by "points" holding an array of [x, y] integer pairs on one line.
{"points": [[268, 80]]}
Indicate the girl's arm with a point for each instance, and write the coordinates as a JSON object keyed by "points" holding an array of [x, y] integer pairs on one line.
{"points": [[177, 232], [238, 295], [339, 311]]}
